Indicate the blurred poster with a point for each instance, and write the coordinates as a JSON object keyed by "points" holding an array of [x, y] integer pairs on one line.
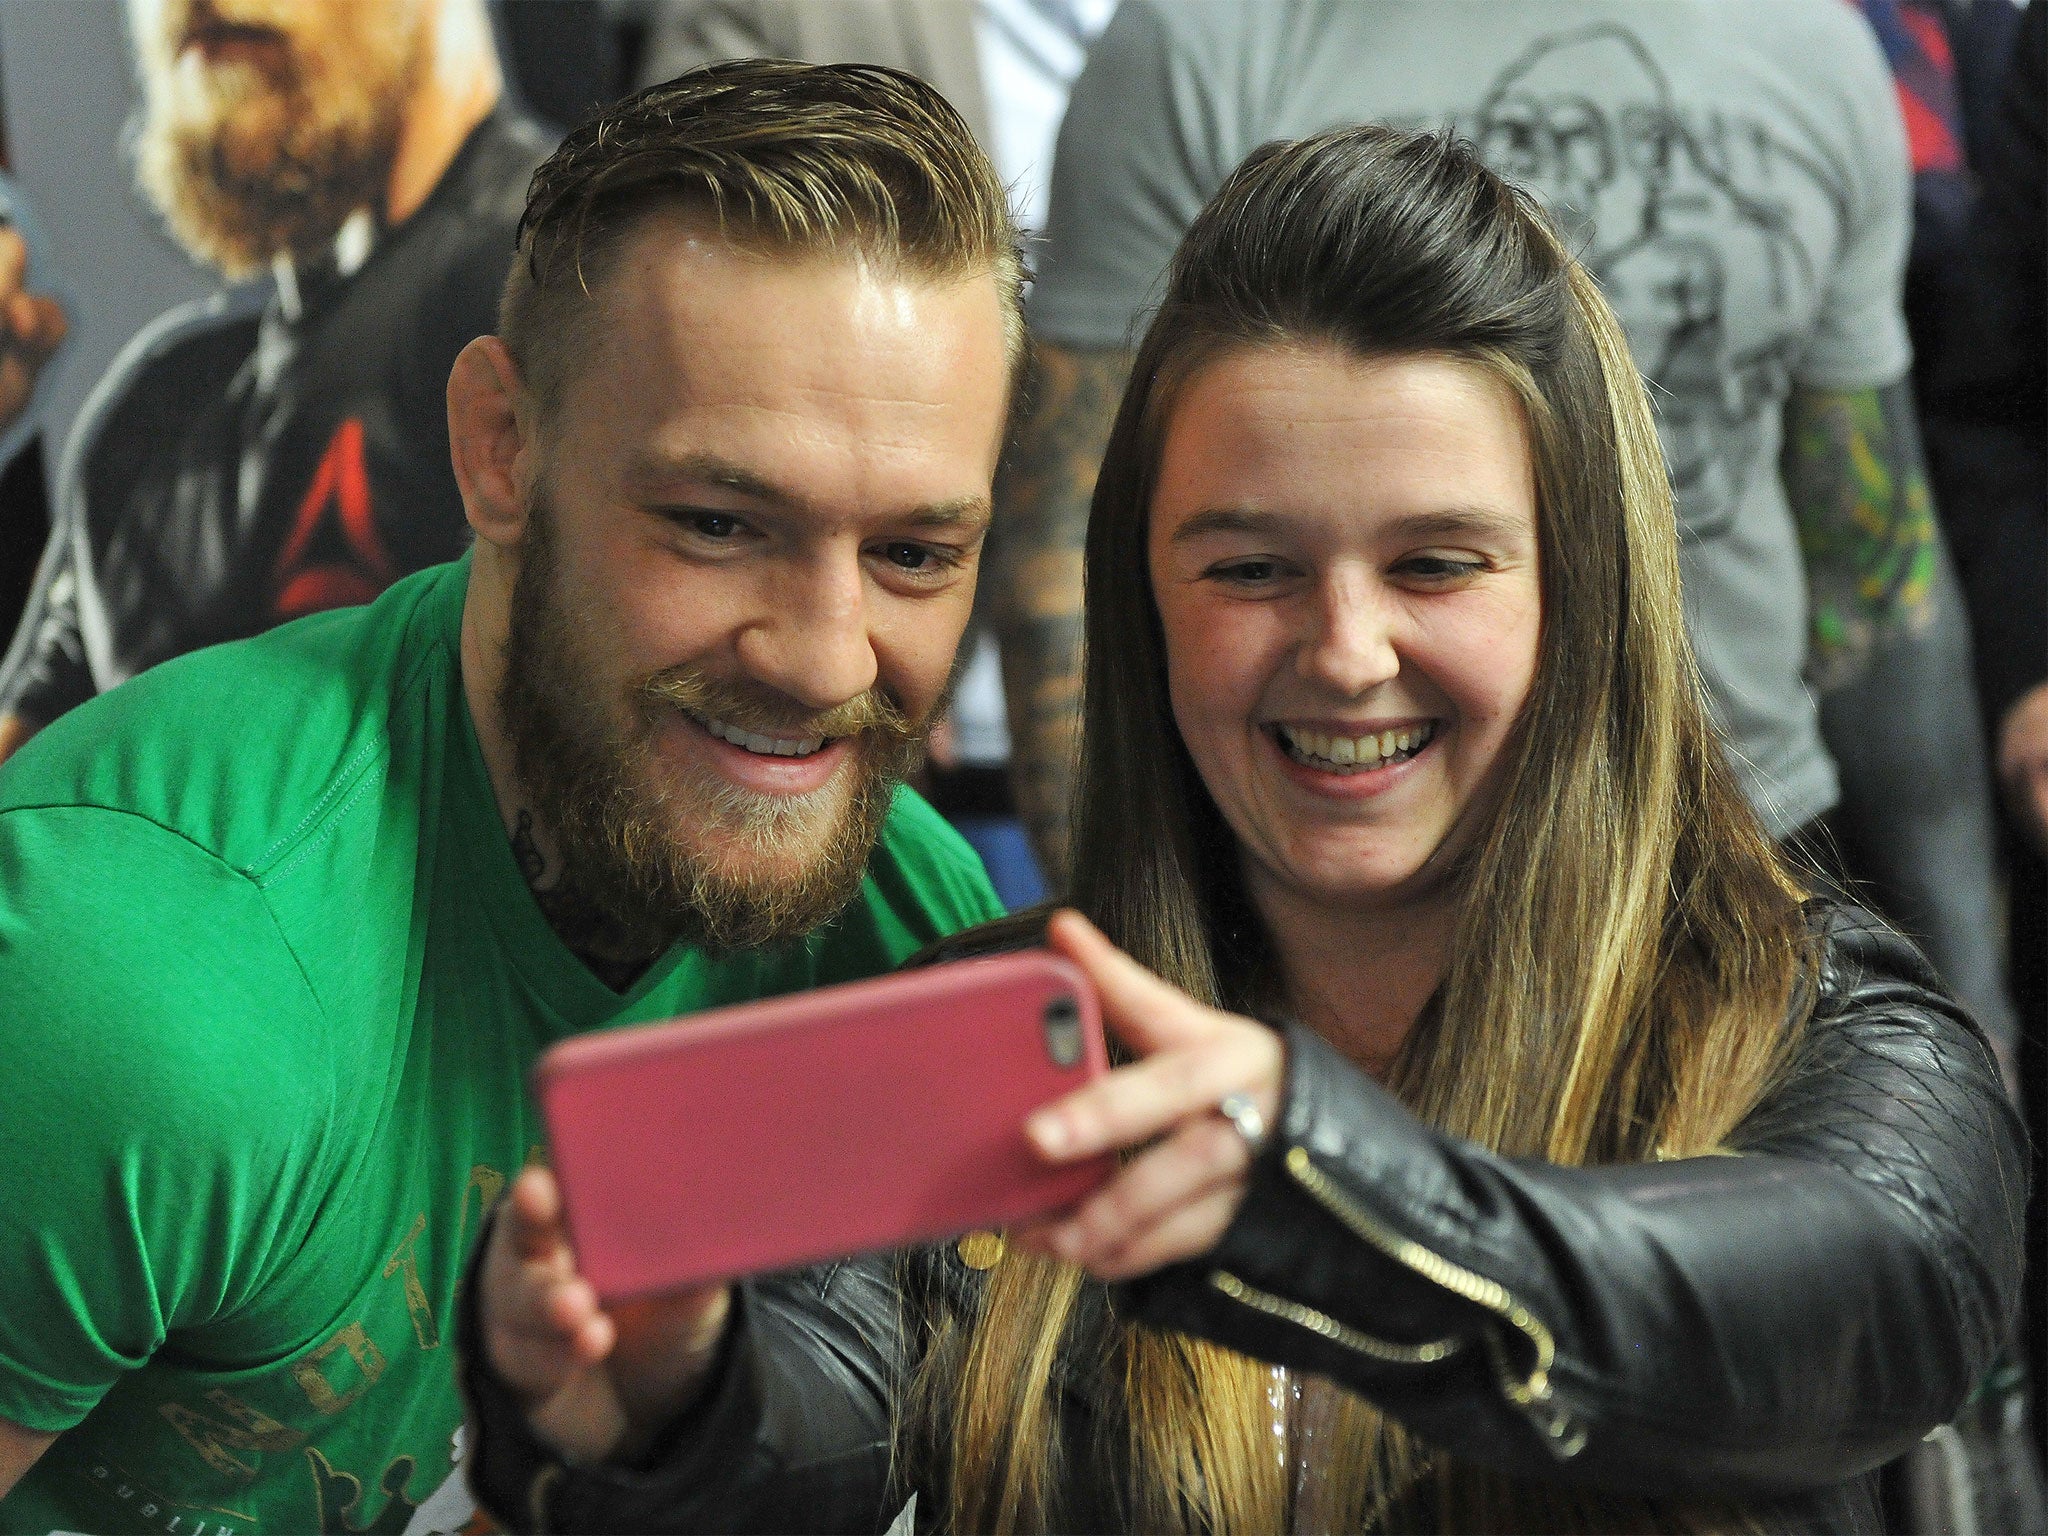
{"points": [[277, 222]]}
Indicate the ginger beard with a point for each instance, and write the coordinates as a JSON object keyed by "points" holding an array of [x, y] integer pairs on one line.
{"points": [[264, 145], [660, 854]]}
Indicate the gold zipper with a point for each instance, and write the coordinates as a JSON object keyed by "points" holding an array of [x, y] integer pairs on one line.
{"points": [[1530, 1392], [1322, 1323]]}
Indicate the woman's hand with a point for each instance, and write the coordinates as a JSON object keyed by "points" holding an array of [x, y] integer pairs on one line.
{"points": [[1174, 1200], [595, 1384]]}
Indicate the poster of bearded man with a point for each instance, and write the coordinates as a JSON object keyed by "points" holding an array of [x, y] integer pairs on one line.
{"points": [[346, 176]]}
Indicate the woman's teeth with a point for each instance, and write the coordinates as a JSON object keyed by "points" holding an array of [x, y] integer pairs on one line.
{"points": [[767, 746], [1354, 754]]}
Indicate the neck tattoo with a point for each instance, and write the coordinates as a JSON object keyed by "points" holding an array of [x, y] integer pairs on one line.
{"points": [[590, 933]]}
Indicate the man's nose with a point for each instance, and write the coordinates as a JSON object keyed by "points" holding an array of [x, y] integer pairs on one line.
{"points": [[1349, 644], [811, 641]]}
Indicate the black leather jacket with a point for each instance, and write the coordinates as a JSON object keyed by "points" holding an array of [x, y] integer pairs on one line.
{"points": [[1768, 1327]]}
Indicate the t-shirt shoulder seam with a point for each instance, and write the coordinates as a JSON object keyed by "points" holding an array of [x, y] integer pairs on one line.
{"points": [[349, 782], [212, 855], [334, 797]]}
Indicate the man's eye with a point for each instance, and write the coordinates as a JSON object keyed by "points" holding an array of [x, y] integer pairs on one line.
{"points": [[911, 557], [714, 525]]}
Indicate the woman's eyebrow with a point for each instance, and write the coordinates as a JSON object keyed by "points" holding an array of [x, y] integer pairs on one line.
{"points": [[1443, 522], [1484, 523], [1225, 520]]}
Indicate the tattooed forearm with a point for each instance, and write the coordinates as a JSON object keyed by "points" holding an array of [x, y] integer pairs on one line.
{"points": [[1042, 496], [1858, 487]]}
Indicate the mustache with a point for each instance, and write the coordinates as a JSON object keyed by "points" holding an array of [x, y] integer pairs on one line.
{"points": [[871, 714]]}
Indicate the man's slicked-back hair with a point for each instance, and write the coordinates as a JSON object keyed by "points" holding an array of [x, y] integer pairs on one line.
{"points": [[808, 159]]}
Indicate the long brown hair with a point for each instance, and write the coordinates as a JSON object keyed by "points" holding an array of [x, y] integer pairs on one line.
{"points": [[1628, 944]]}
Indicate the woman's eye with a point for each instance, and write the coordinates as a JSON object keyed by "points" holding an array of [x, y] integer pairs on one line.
{"points": [[1440, 567], [1246, 572]]}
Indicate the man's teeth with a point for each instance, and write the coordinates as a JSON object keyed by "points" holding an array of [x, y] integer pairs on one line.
{"points": [[1354, 754], [767, 746]]}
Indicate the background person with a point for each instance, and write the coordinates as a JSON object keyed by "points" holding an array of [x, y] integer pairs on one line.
{"points": [[281, 450], [1735, 174], [1391, 731], [286, 922]]}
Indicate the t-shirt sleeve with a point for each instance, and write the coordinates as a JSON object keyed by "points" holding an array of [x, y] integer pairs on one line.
{"points": [[1147, 139], [1859, 337], [923, 883], [929, 874], [165, 1100]]}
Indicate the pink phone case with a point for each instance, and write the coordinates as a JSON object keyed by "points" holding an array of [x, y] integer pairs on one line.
{"points": [[828, 1123]]}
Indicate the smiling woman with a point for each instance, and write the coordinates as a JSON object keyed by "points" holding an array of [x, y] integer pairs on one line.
{"points": [[1508, 1142], [1343, 552]]}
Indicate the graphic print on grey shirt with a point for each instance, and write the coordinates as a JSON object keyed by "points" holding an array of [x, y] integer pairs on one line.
{"points": [[1732, 171]]}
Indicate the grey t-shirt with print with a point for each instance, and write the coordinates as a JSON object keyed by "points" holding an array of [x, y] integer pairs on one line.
{"points": [[1733, 171]]}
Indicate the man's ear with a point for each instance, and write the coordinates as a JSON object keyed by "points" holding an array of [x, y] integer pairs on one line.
{"points": [[490, 440]]}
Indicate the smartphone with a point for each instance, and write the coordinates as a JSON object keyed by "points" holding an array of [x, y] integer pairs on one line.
{"points": [[811, 1127]]}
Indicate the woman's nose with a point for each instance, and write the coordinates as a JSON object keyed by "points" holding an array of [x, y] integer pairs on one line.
{"points": [[1349, 647]]}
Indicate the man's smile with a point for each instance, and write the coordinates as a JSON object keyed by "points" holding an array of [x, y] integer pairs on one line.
{"points": [[762, 745]]}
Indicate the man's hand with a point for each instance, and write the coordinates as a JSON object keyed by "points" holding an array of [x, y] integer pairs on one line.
{"points": [[1173, 1200], [596, 1384], [2023, 762], [19, 1449], [14, 730], [32, 327], [1042, 493]]}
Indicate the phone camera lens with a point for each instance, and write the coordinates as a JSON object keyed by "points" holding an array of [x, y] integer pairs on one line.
{"points": [[1063, 1031]]}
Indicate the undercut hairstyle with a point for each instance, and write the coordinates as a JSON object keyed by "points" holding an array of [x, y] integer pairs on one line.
{"points": [[852, 160]]}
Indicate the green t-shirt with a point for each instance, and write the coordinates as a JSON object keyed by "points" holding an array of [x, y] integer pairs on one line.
{"points": [[273, 984]]}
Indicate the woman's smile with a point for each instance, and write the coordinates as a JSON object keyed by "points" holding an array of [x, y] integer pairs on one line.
{"points": [[1346, 751]]}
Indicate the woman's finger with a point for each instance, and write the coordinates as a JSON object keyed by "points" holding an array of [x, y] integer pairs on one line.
{"points": [[1186, 1232], [541, 1320], [533, 1218], [1146, 1013], [1134, 1104], [1201, 1159]]}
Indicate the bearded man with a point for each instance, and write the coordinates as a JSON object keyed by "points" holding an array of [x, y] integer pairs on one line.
{"points": [[285, 922], [253, 458]]}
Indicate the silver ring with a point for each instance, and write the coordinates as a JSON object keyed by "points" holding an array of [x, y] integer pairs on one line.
{"points": [[1245, 1119]]}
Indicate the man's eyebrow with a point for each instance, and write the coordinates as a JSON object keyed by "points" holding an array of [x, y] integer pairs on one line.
{"points": [[653, 474], [961, 512], [1443, 522]]}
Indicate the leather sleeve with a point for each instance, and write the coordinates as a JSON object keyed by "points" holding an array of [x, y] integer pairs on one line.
{"points": [[792, 1432], [1747, 1325], [45, 671]]}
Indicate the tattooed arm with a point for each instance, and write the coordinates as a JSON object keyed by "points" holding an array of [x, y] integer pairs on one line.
{"points": [[1042, 496], [1890, 660], [1858, 487]]}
